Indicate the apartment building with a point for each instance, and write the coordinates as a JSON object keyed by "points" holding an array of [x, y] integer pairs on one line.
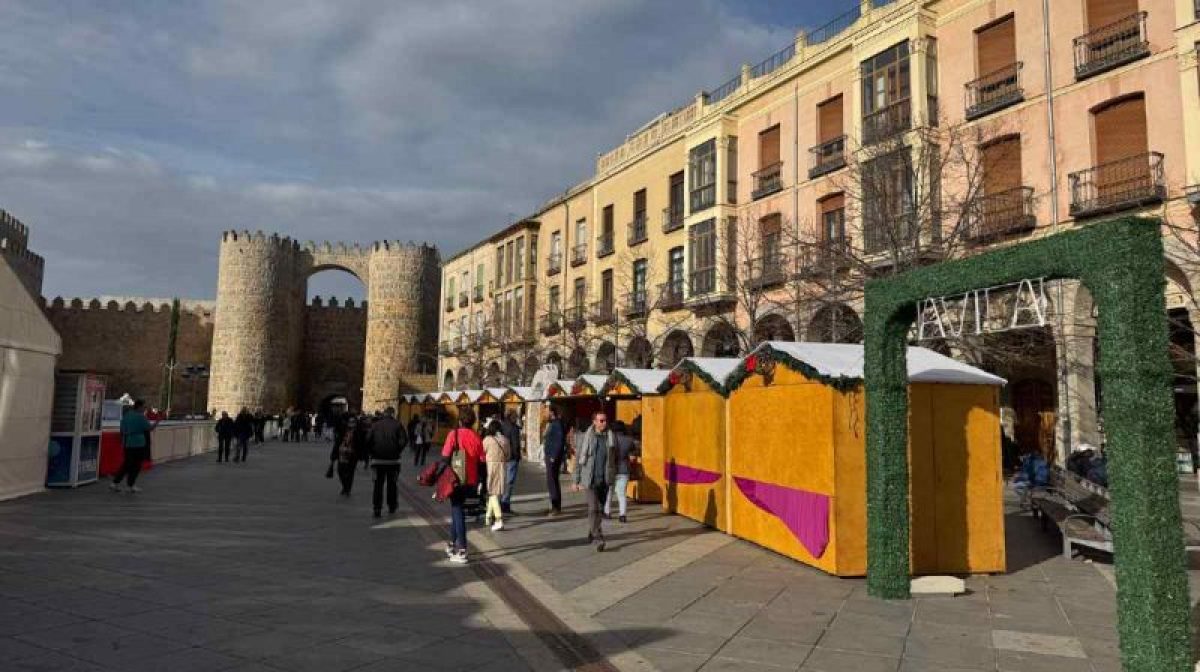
{"points": [[1062, 113]]}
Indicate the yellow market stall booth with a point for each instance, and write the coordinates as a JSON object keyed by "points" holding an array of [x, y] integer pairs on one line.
{"points": [[694, 455], [640, 404], [797, 459]]}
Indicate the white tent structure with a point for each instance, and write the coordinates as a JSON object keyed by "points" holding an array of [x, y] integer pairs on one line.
{"points": [[29, 348]]}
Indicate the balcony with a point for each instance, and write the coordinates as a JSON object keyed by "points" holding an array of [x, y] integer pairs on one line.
{"points": [[554, 264], [604, 312], [579, 254], [704, 197], [464, 300], [670, 295], [828, 157], [767, 271], [445, 348], [636, 305], [999, 215], [521, 334], [767, 181], [1118, 185], [902, 236], [1111, 46], [574, 318], [824, 258], [887, 122], [604, 245], [449, 304], [637, 230], [459, 345], [672, 218], [551, 323], [477, 294], [994, 91]]}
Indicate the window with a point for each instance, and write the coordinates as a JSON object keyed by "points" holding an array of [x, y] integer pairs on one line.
{"points": [[1126, 173], [520, 258], [931, 81], [888, 201], [673, 215], [518, 307], [675, 267], [996, 46], [767, 177], [731, 170], [639, 280], [499, 266], [555, 261], [703, 242], [579, 250], [580, 291], [555, 300], [533, 245], [637, 228], [833, 219], [829, 154], [450, 295], [998, 72], [508, 258], [606, 293], [702, 166], [771, 236], [605, 243], [885, 94]]}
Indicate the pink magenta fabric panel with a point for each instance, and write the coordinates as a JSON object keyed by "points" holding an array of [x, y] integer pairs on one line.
{"points": [[805, 513]]}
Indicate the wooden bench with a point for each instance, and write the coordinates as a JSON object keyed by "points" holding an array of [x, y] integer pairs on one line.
{"points": [[1080, 510]]}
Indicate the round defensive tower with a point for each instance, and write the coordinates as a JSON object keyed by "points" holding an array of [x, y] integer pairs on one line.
{"points": [[257, 334], [401, 317]]}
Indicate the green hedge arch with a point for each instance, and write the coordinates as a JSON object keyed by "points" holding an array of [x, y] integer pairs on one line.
{"points": [[1121, 263]]}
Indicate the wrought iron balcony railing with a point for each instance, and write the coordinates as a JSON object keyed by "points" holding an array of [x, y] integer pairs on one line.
{"points": [[994, 91], [574, 318], [604, 312], [1118, 185], [1110, 46], [902, 233], [887, 121], [477, 294], [1004, 213], [554, 263], [579, 254], [670, 294], [464, 299], [704, 197], [444, 349], [828, 157], [551, 323], [767, 180], [672, 218], [604, 245], [768, 270], [636, 304], [637, 230], [824, 257]]}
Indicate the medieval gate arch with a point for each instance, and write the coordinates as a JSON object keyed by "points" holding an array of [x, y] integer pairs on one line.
{"points": [[258, 332], [1122, 265]]}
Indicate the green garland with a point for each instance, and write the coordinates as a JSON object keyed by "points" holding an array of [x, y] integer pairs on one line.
{"points": [[839, 383], [692, 368], [1121, 263]]}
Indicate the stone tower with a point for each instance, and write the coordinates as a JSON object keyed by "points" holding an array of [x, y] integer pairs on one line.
{"points": [[258, 336]]}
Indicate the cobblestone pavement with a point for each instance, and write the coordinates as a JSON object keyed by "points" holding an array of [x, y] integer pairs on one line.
{"points": [[263, 567]]}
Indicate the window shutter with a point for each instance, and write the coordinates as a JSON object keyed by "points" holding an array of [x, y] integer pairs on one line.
{"points": [[996, 46], [829, 120], [768, 147], [1100, 13], [1002, 165], [771, 224], [1121, 130], [832, 203]]}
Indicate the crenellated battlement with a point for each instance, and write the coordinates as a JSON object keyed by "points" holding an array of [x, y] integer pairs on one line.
{"points": [[258, 239], [332, 304], [131, 304], [13, 230], [13, 251], [402, 246]]}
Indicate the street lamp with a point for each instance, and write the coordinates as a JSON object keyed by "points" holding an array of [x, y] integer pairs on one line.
{"points": [[194, 372]]}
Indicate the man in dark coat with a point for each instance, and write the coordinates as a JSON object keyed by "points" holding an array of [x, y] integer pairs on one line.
{"points": [[386, 440], [512, 432], [243, 430], [554, 444], [225, 430]]}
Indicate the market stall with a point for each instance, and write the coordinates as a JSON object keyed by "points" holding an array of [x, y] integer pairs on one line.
{"points": [[635, 393], [797, 459], [694, 457]]}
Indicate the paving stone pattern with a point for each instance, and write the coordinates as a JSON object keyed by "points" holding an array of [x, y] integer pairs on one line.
{"points": [[262, 567]]}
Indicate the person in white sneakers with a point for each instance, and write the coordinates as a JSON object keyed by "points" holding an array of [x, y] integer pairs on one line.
{"points": [[496, 452]]}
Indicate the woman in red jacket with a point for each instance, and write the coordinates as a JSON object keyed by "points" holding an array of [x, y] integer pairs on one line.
{"points": [[463, 452]]}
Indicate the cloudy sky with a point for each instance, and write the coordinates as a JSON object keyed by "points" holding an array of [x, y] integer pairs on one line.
{"points": [[133, 133]]}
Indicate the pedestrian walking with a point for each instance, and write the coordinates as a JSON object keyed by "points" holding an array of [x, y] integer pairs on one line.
{"points": [[224, 431], [348, 453], [511, 429], [554, 448], [243, 431], [294, 424], [463, 452], [595, 471], [626, 451], [385, 442], [496, 452], [135, 440], [260, 427], [281, 426], [319, 425], [416, 438]]}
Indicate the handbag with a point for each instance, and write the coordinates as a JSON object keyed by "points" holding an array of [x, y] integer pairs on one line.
{"points": [[429, 475], [448, 480]]}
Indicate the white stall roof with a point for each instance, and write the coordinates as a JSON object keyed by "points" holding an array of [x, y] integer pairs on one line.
{"points": [[525, 393], [594, 381], [840, 360], [717, 368], [497, 392], [644, 381]]}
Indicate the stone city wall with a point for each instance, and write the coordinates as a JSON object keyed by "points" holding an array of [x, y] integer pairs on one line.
{"points": [[126, 338], [335, 335]]}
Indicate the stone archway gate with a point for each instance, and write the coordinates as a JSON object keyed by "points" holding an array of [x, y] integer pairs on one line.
{"points": [[258, 335], [1121, 263]]}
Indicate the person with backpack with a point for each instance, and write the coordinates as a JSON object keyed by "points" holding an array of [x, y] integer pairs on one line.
{"points": [[224, 429], [496, 452], [385, 442], [463, 452]]}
